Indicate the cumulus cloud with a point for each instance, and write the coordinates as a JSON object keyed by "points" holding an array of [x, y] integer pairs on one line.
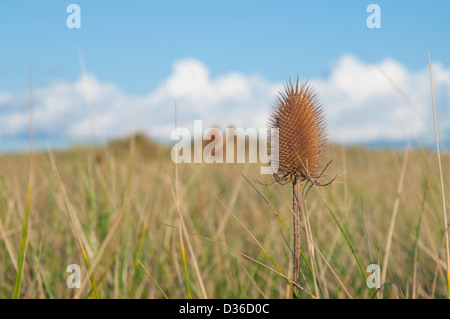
{"points": [[229, 99], [363, 102], [366, 102]]}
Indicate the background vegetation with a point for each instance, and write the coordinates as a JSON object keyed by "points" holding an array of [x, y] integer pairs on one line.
{"points": [[151, 230]]}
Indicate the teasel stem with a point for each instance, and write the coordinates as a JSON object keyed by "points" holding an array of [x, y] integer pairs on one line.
{"points": [[302, 143], [297, 212]]}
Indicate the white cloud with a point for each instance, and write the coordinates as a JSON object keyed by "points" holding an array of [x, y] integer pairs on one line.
{"points": [[361, 100], [231, 98], [365, 102]]}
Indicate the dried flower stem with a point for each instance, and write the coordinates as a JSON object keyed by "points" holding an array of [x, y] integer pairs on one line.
{"points": [[297, 210], [302, 143]]}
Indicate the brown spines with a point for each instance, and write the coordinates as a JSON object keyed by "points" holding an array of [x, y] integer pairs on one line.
{"points": [[300, 121]]}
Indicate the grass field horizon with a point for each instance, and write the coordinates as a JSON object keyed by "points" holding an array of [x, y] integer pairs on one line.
{"points": [[148, 229]]}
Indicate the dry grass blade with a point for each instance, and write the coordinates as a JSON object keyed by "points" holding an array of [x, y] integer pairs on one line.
{"points": [[191, 250], [8, 245], [257, 241], [77, 230], [334, 273], [112, 233], [233, 200], [393, 219], [276, 271], [442, 182], [341, 230], [265, 200], [311, 247], [175, 194]]}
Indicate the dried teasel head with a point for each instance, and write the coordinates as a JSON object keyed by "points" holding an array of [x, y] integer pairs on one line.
{"points": [[302, 133]]}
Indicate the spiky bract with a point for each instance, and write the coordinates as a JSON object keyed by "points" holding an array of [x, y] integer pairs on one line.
{"points": [[301, 125]]}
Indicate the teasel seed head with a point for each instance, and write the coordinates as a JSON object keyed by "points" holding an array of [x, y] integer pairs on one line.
{"points": [[302, 133]]}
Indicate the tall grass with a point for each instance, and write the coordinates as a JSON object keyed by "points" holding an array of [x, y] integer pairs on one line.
{"points": [[123, 221], [25, 227], [442, 182]]}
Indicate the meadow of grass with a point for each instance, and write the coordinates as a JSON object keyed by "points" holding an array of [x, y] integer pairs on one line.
{"points": [[139, 228]]}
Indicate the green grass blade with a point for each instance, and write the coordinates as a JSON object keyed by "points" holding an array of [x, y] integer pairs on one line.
{"points": [[266, 201], [23, 245], [153, 279], [24, 240], [350, 246], [186, 275]]}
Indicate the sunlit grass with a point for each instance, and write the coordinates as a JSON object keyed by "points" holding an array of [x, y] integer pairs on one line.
{"points": [[128, 221]]}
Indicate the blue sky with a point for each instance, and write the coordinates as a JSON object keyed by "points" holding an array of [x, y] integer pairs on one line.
{"points": [[131, 50]]}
